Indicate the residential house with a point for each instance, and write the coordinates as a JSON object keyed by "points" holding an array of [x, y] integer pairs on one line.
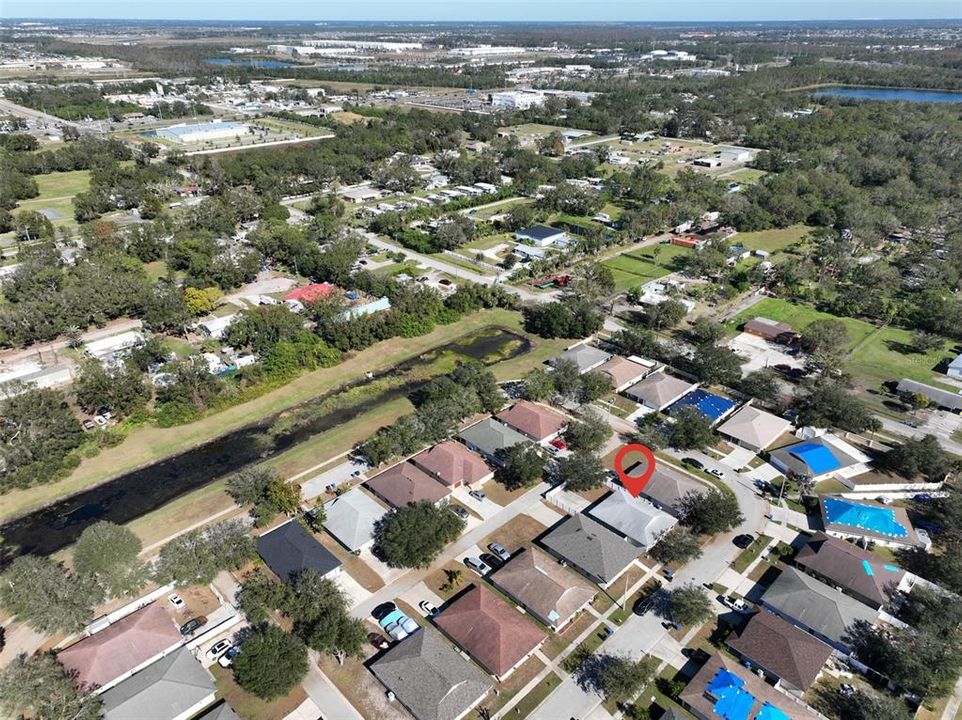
{"points": [[360, 194], [868, 520], [176, 687], [820, 458], [490, 630], [310, 294], [105, 349], [634, 517], [542, 587], [535, 421], [585, 357], [592, 548], [667, 488], [860, 573], [937, 396], [827, 613], [223, 711], [216, 327], [491, 438], [542, 236], [788, 654], [722, 688], [352, 517], [659, 390], [771, 330], [405, 484], [954, 369], [452, 464], [291, 549], [624, 372], [753, 428], [105, 658], [430, 678]]}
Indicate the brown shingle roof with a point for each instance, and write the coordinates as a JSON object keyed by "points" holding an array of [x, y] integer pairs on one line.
{"points": [[490, 630], [769, 329], [406, 483], [533, 420], [622, 371], [845, 564], [538, 582], [782, 649], [123, 646], [452, 463]]}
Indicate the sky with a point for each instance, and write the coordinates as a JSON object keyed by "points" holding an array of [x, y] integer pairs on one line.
{"points": [[492, 10]]}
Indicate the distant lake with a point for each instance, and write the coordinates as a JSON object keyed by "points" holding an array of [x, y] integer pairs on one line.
{"points": [[250, 62], [892, 94]]}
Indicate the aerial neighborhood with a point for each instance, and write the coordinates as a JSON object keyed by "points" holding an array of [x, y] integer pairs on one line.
{"points": [[375, 370]]}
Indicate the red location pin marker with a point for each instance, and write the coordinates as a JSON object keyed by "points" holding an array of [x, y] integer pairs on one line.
{"points": [[634, 484]]}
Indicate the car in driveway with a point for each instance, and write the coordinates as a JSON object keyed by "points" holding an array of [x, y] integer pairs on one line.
{"points": [[192, 625], [643, 605], [383, 610], [176, 602], [717, 473], [459, 511], [492, 561], [500, 551], [559, 443], [428, 608], [398, 625], [227, 659], [692, 462], [478, 495], [477, 565], [743, 541], [218, 649]]}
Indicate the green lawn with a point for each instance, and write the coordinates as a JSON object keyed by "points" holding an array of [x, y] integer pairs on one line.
{"points": [[888, 356], [799, 316], [773, 240], [56, 195], [745, 176], [642, 266], [748, 555]]}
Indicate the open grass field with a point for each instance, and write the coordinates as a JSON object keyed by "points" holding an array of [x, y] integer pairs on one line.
{"points": [[56, 195], [888, 355], [799, 316], [774, 240], [642, 266], [745, 176]]}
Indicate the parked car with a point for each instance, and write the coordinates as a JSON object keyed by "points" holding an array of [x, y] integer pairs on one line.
{"points": [[692, 462], [378, 641], [743, 541], [177, 602], [717, 473], [477, 565], [846, 690], [89, 425], [477, 495], [191, 626], [428, 608], [459, 511], [218, 649], [499, 551], [643, 605], [444, 281], [559, 443], [782, 368], [227, 659], [383, 610], [492, 561]]}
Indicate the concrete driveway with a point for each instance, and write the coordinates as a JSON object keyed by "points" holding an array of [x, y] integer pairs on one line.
{"points": [[485, 508], [759, 353], [337, 475]]}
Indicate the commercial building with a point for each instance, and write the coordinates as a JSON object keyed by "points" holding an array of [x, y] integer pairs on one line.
{"points": [[541, 236], [186, 134], [771, 330]]}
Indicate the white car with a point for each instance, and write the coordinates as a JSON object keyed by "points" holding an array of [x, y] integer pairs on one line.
{"points": [[227, 659], [717, 473], [218, 649], [428, 608], [177, 602]]}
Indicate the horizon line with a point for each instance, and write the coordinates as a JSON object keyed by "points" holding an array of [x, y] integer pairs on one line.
{"points": [[503, 20]]}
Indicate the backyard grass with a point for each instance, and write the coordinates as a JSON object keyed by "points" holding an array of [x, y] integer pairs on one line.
{"points": [[799, 317], [641, 266], [148, 444], [508, 689], [557, 642], [747, 556], [745, 176], [250, 707], [773, 240], [530, 702], [888, 355]]}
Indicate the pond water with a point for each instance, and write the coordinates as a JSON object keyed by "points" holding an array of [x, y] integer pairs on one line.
{"points": [[138, 492], [892, 94], [249, 62]]}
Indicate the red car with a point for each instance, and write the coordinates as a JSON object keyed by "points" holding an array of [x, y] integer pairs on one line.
{"points": [[559, 443]]}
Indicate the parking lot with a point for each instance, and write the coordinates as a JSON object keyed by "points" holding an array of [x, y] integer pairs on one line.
{"points": [[758, 353]]}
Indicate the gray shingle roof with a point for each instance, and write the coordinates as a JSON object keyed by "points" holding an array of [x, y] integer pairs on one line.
{"points": [[351, 518], [659, 389], [844, 564], [160, 691], [815, 605], [592, 547], [430, 678], [945, 398], [489, 436], [585, 357], [220, 712], [755, 427], [290, 549]]}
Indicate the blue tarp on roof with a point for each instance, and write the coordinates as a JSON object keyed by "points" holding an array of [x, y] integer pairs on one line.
{"points": [[731, 702], [770, 712], [818, 458], [714, 407], [880, 520]]}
